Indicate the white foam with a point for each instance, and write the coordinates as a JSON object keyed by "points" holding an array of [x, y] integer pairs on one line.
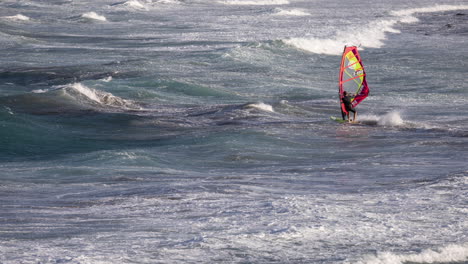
{"points": [[8, 109], [254, 2], [132, 4], [93, 16], [88, 92], [371, 35], [292, 12], [168, 2], [254, 220], [127, 155], [262, 106], [135, 4], [432, 9], [391, 119], [18, 17], [448, 254], [40, 91], [107, 79], [82, 93], [408, 15]]}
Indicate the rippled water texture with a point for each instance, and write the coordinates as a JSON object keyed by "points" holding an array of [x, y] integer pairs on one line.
{"points": [[173, 131]]}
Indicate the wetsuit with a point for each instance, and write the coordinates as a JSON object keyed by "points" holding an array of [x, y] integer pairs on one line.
{"points": [[347, 104]]}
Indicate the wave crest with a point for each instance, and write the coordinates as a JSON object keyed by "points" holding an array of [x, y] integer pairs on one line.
{"points": [[292, 12], [254, 2], [86, 95], [132, 4], [448, 254], [18, 17], [261, 106], [93, 16], [371, 35]]}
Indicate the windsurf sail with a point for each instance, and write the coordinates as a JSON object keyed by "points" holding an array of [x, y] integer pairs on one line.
{"points": [[352, 77]]}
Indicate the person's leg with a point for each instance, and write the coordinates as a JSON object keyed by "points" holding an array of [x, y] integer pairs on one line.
{"points": [[344, 112], [354, 115]]}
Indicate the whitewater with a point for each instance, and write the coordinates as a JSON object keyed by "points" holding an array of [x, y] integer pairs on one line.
{"points": [[176, 131]]}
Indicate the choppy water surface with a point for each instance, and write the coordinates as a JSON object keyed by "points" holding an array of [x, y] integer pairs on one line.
{"points": [[199, 132]]}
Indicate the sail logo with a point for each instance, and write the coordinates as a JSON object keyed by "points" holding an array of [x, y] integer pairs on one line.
{"points": [[358, 72]]}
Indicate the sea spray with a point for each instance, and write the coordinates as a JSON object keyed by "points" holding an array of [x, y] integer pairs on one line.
{"points": [[390, 119]]}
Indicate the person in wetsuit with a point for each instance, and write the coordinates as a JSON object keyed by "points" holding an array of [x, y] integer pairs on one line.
{"points": [[348, 106]]}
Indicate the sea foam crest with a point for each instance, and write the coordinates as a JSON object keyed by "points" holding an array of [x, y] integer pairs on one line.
{"points": [[254, 2], [93, 16], [261, 106], [132, 4], [168, 1], [135, 4], [432, 9], [292, 12], [371, 35], [18, 17], [84, 94], [448, 254]]}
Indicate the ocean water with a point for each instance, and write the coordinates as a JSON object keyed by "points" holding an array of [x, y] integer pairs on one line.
{"points": [[179, 131]]}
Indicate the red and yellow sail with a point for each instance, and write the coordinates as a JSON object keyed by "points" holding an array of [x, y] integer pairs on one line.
{"points": [[352, 77]]}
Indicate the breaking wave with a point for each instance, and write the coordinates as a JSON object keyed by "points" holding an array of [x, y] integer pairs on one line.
{"points": [[371, 35], [93, 16], [261, 106], [438, 8], [448, 254], [292, 12], [87, 96], [70, 98], [253, 2], [18, 17], [132, 4]]}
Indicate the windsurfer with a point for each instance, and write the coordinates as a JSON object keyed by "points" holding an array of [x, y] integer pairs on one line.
{"points": [[348, 106]]}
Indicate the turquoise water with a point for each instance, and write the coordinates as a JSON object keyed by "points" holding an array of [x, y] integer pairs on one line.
{"points": [[199, 131]]}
